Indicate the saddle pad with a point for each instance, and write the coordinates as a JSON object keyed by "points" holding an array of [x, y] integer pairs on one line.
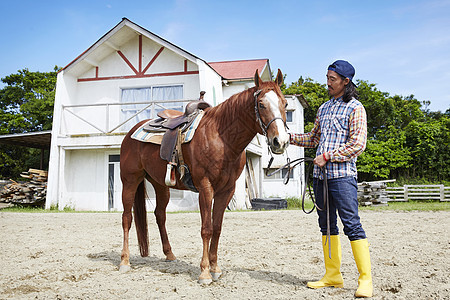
{"points": [[156, 138]]}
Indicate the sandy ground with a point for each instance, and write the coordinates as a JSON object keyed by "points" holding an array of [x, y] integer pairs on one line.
{"points": [[264, 255]]}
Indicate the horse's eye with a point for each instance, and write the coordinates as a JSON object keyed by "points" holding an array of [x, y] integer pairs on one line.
{"points": [[261, 105]]}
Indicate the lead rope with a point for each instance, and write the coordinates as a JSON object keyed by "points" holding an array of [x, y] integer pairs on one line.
{"points": [[288, 173], [326, 204]]}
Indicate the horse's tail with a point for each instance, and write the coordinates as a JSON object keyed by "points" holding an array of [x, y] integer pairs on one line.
{"points": [[140, 219]]}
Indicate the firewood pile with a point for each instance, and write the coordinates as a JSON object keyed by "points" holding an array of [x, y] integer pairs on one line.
{"points": [[373, 193], [29, 193]]}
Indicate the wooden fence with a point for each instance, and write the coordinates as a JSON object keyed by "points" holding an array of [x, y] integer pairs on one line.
{"points": [[418, 192], [377, 193]]}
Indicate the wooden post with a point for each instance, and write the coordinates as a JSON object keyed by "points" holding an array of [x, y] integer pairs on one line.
{"points": [[406, 193], [441, 193]]}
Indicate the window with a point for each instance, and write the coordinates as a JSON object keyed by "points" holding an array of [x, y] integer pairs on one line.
{"points": [[284, 173], [164, 93], [278, 175], [145, 96], [289, 116]]}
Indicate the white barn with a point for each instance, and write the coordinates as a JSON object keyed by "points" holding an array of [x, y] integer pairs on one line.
{"points": [[128, 75]]}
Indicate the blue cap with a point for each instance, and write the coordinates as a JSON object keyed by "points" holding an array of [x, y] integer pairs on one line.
{"points": [[343, 68]]}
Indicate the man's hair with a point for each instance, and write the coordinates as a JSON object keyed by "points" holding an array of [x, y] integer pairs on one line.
{"points": [[350, 91]]}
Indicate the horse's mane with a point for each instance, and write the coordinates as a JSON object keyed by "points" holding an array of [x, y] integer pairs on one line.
{"points": [[235, 106]]}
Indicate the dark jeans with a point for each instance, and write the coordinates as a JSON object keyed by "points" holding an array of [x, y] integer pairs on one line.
{"points": [[342, 194]]}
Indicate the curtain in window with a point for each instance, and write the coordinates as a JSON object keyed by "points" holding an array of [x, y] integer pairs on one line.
{"points": [[160, 93], [174, 92], [131, 96]]}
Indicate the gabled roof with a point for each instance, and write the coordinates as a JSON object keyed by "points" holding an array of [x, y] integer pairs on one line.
{"points": [[240, 69], [113, 40], [125, 30]]}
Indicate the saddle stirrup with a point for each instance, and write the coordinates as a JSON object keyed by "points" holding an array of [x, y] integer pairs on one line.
{"points": [[170, 180]]}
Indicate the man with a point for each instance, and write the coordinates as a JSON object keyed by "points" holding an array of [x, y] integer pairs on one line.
{"points": [[340, 132]]}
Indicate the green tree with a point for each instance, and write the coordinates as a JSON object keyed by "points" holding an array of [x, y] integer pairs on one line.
{"points": [[379, 107], [315, 94], [384, 110], [385, 157], [27, 101], [429, 144], [26, 105], [405, 139]]}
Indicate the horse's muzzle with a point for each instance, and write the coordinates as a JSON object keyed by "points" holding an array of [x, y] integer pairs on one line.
{"points": [[278, 145]]}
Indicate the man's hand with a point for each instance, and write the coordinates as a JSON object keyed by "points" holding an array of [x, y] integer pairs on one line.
{"points": [[321, 159]]}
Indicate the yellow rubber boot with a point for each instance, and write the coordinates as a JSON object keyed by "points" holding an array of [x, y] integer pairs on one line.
{"points": [[361, 253], [333, 276]]}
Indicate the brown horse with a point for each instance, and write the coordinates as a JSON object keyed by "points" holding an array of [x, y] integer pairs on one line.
{"points": [[215, 157]]}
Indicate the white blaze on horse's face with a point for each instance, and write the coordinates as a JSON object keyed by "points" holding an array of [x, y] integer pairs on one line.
{"points": [[277, 142]]}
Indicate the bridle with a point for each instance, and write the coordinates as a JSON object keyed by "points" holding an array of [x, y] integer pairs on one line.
{"points": [[263, 126]]}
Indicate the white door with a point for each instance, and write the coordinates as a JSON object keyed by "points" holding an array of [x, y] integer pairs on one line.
{"points": [[114, 183]]}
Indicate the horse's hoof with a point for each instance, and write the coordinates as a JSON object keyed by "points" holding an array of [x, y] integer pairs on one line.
{"points": [[216, 276], [124, 268], [205, 281], [170, 257]]}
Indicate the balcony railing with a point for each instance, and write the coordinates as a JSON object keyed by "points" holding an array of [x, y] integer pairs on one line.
{"points": [[108, 118]]}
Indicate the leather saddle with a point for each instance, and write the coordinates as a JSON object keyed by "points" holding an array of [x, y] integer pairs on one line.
{"points": [[172, 123], [170, 119]]}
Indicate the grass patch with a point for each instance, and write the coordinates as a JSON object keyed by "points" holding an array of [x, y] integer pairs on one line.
{"points": [[410, 206], [294, 203], [27, 209], [53, 209], [401, 181]]}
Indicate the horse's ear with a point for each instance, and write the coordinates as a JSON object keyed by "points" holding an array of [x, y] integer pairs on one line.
{"points": [[258, 80], [279, 80]]}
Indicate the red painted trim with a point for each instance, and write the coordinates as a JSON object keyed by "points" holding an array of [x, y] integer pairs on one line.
{"points": [[153, 60], [185, 65], [96, 72], [128, 62], [140, 53], [141, 75]]}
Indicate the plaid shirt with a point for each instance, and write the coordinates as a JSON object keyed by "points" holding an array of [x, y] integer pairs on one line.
{"points": [[341, 130]]}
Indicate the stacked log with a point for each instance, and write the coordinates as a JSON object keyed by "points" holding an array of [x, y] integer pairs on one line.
{"points": [[373, 193], [30, 193]]}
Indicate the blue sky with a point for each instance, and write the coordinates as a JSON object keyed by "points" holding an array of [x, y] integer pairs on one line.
{"points": [[401, 46]]}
